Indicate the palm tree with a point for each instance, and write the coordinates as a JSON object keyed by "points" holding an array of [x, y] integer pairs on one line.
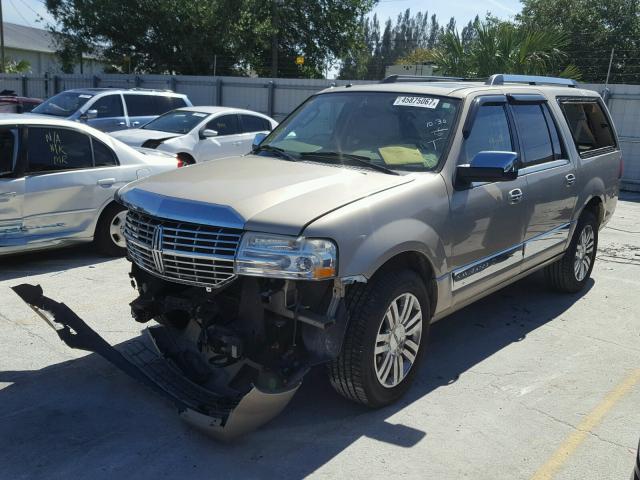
{"points": [[501, 47]]}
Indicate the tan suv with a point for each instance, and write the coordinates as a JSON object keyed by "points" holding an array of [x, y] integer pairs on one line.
{"points": [[366, 215]]}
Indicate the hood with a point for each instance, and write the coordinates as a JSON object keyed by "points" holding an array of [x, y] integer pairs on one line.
{"points": [[135, 137], [255, 193]]}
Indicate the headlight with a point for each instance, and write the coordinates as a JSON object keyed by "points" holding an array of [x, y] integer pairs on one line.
{"points": [[279, 256]]}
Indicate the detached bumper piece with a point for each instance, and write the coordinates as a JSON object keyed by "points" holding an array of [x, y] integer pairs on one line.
{"points": [[218, 415]]}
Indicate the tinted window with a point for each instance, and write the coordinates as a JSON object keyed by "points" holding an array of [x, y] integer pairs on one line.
{"points": [[176, 102], [556, 142], [225, 125], [51, 149], [63, 105], [178, 121], [103, 156], [490, 132], [146, 105], [534, 134], [7, 150], [109, 106], [251, 123], [589, 125]]}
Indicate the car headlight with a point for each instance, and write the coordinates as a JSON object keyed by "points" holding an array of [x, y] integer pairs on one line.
{"points": [[280, 256]]}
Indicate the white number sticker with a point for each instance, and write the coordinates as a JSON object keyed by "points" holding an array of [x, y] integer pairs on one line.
{"points": [[423, 102]]}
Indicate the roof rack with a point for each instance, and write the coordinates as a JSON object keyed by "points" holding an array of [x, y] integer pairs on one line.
{"points": [[501, 79], [138, 89], [418, 78]]}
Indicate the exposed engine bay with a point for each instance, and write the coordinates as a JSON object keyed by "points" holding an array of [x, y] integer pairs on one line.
{"points": [[230, 358], [251, 332]]}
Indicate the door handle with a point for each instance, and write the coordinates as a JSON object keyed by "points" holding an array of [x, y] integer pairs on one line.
{"points": [[569, 179], [239, 142], [122, 124], [135, 124], [5, 197], [106, 182], [515, 196]]}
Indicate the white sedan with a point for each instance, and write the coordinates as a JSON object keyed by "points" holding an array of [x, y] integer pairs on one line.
{"points": [[197, 134], [57, 184]]}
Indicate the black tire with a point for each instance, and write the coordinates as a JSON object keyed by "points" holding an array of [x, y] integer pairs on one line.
{"points": [[103, 238], [353, 373], [561, 275]]}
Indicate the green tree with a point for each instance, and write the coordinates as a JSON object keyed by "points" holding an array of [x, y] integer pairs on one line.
{"points": [[592, 28], [16, 66], [188, 37], [502, 47]]}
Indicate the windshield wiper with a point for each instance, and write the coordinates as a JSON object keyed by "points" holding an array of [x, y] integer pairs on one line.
{"points": [[281, 152], [354, 160]]}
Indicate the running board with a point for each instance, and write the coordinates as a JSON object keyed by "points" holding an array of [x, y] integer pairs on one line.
{"points": [[216, 415]]}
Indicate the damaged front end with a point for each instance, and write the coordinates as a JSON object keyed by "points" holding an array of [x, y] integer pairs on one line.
{"points": [[230, 359]]}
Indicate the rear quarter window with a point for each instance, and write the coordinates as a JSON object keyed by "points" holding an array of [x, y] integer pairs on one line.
{"points": [[590, 127]]}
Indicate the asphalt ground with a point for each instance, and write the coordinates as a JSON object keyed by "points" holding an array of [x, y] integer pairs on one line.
{"points": [[524, 384]]}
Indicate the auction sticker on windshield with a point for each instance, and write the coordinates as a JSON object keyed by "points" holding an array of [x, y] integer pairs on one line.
{"points": [[424, 102]]}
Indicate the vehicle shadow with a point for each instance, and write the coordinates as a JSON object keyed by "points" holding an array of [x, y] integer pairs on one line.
{"points": [[48, 261], [629, 196], [84, 418]]}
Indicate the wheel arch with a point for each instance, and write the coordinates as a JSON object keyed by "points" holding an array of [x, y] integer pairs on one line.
{"points": [[418, 262]]}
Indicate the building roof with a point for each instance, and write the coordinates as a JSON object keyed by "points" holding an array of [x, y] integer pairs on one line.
{"points": [[28, 38]]}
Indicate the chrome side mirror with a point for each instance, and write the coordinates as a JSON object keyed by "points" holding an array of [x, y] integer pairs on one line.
{"points": [[489, 166], [89, 115]]}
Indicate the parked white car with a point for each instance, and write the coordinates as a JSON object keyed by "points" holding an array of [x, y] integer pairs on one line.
{"points": [[57, 184], [198, 134]]}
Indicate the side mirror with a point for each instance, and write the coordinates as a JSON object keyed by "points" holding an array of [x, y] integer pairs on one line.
{"points": [[208, 133], [489, 166], [89, 115], [257, 140]]}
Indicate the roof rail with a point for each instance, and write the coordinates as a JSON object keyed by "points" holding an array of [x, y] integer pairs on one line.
{"points": [[418, 78], [501, 79], [138, 89]]}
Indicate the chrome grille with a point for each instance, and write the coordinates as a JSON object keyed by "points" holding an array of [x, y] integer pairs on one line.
{"points": [[180, 251]]}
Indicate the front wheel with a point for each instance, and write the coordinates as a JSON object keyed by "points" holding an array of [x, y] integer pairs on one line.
{"points": [[109, 236], [385, 338], [571, 273]]}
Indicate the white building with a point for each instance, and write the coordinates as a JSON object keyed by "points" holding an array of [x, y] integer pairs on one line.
{"points": [[37, 46]]}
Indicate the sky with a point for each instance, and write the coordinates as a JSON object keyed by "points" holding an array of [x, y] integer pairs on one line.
{"points": [[26, 12]]}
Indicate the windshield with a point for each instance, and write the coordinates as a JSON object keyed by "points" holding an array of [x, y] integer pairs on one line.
{"points": [[394, 130], [177, 121], [63, 104]]}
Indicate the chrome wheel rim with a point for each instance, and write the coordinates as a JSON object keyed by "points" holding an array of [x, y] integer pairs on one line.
{"points": [[116, 229], [398, 340], [584, 253]]}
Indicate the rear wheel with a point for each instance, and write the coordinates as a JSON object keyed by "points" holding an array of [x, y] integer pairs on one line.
{"points": [[109, 236], [385, 338], [571, 273]]}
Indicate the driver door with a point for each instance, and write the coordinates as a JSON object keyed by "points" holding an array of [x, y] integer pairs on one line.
{"points": [[11, 188], [487, 218], [227, 143]]}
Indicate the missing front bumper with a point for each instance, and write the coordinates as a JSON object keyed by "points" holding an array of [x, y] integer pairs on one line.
{"points": [[217, 415]]}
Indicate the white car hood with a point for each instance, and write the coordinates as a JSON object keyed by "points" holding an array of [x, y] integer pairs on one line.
{"points": [[135, 137]]}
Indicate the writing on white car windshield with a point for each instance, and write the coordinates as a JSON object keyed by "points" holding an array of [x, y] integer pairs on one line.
{"points": [[63, 104], [176, 121], [394, 131]]}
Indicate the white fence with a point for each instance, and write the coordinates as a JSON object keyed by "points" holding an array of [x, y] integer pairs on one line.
{"points": [[277, 97]]}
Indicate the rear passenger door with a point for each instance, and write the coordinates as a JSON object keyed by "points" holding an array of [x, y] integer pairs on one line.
{"points": [[110, 113], [143, 108], [550, 175], [64, 191]]}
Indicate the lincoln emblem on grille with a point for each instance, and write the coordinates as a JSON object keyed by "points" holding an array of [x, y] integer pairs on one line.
{"points": [[156, 249]]}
